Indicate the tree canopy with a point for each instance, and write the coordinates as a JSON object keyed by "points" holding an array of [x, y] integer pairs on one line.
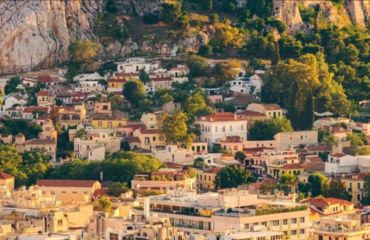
{"points": [[232, 176], [266, 129]]}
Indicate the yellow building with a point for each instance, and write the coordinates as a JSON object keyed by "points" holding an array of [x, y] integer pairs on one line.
{"points": [[106, 121], [45, 98], [7, 181], [206, 179], [69, 191], [71, 116], [355, 185], [150, 138]]}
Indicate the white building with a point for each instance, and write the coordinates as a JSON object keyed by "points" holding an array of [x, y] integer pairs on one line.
{"points": [[89, 77], [174, 154], [247, 85], [347, 164], [89, 86], [218, 126], [134, 65], [94, 146], [11, 100]]}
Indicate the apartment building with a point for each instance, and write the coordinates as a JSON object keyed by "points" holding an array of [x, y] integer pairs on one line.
{"points": [[69, 191], [231, 209], [270, 110], [206, 179], [216, 127]]}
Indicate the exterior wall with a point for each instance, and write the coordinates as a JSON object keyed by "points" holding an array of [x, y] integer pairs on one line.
{"points": [[71, 194], [214, 132], [150, 140], [356, 187], [232, 147], [50, 149], [256, 107], [174, 154], [286, 140], [262, 143], [108, 123], [150, 120], [9, 183], [187, 184], [206, 181]]}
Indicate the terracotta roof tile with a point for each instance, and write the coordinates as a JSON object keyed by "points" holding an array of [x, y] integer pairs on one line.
{"points": [[4, 176]]}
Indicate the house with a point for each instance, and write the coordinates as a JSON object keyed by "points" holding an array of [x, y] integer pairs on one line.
{"points": [[89, 86], [150, 138], [206, 179], [71, 116], [108, 122], [163, 180], [232, 144], [48, 145], [286, 140], [48, 80], [270, 110], [47, 126], [330, 206], [134, 65], [247, 85], [215, 127], [6, 181], [33, 112], [361, 127], [118, 80], [104, 107], [348, 227], [329, 121], [89, 77], [69, 191], [340, 163], [151, 120], [356, 186], [251, 116], [13, 100], [45, 98], [94, 146], [171, 107], [159, 83], [180, 70], [174, 154]]}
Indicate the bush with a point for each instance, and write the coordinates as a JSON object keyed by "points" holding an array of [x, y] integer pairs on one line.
{"points": [[151, 18]]}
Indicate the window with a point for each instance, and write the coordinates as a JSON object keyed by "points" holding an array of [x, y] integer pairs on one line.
{"points": [[285, 221], [301, 231], [60, 222], [293, 221], [294, 232], [302, 220], [275, 223]]}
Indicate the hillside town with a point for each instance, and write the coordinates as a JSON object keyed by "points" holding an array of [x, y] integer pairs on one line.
{"points": [[122, 156], [184, 120]]}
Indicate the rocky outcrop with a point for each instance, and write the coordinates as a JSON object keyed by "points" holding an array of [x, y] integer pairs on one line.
{"points": [[141, 7], [353, 12], [38, 33]]}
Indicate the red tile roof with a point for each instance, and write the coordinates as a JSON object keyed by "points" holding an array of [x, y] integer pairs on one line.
{"points": [[4, 176], [293, 166], [213, 170], [232, 139], [220, 117], [249, 113], [65, 183]]}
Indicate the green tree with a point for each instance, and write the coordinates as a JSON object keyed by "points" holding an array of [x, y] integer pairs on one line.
{"points": [[226, 71], [117, 188], [266, 129], [11, 85], [134, 92], [326, 137], [107, 68], [196, 106], [199, 163], [176, 130], [240, 156], [82, 50], [316, 184], [337, 189], [34, 165], [366, 199], [143, 76], [198, 66], [232, 176], [287, 183], [104, 204], [171, 11], [227, 36]]}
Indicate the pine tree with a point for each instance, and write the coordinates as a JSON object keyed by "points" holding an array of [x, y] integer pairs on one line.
{"points": [[308, 113]]}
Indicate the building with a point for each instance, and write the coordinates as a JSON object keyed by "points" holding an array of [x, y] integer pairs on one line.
{"points": [[247, 85], [148, 139], [251, 116], [345, 227], [174, 154], [134, 65], [217, 213], [108, 122], [330, 206], [232, 144], [355, 185], [206, 179], [339, 163], [45, 98], [71, 116], [163, 180], [216, 127], [270, 110], [69, 191], [94, 146], [286, 140], [49, 146], [6, 181]]}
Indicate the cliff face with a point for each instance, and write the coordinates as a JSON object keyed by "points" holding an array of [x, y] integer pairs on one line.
{"points": [[354, 12], [38, 32], [35, 33]]}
